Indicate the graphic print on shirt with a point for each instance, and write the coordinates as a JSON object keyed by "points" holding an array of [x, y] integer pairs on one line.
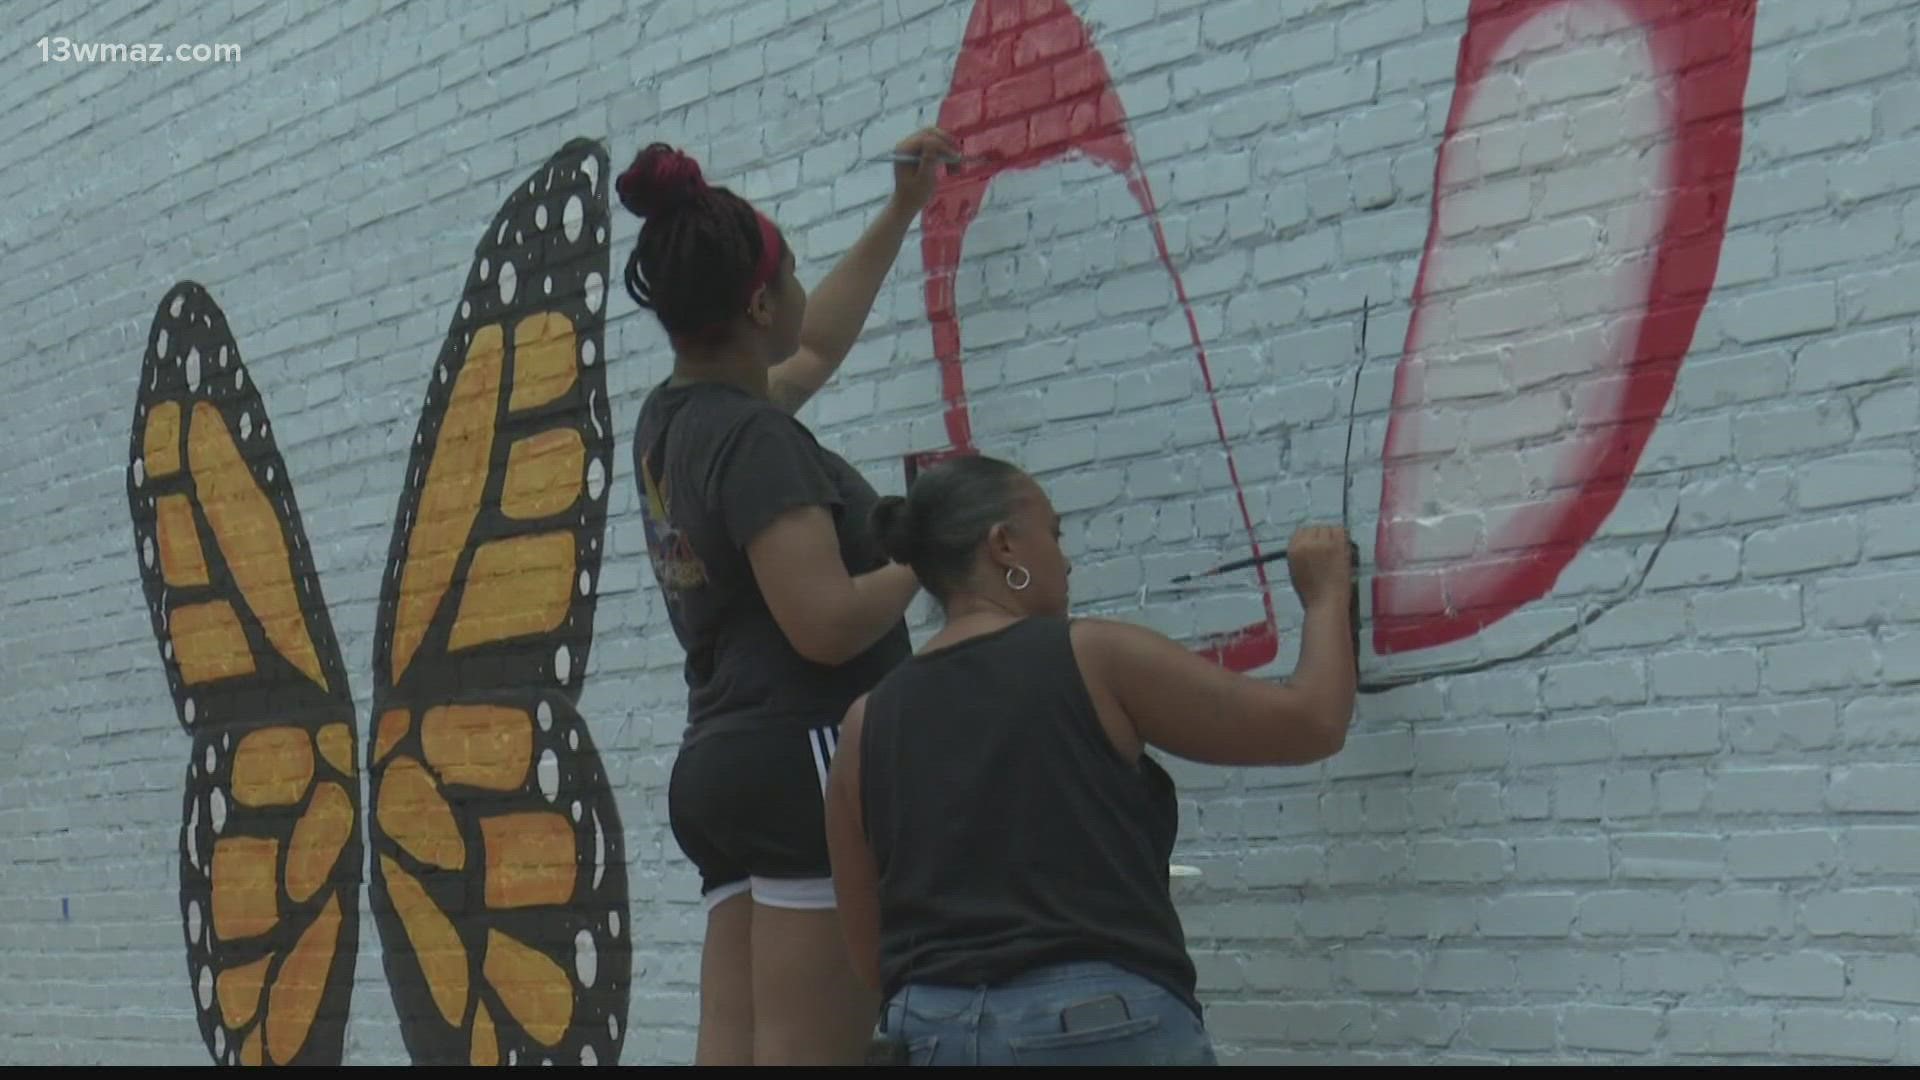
{"points": [[675, 565]]}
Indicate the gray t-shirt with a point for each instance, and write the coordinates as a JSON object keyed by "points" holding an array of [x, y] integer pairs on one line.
{"points": [[715, 466]]}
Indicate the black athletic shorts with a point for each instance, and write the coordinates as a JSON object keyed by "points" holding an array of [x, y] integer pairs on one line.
{"points": [[749, 809]]}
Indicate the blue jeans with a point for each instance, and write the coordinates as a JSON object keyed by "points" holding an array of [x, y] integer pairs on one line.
{"points": [[1018, 1022]]}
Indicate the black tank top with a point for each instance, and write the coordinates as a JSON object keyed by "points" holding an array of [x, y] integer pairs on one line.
{"points": [[1008, 831]]}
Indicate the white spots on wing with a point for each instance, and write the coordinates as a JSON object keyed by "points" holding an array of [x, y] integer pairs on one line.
{"points": [[586, 960], [599, 851], [540, 216], [591, 166], [160, 345], [486, 266], [204, 984], [193, 921], [589, 352], [189, 710], [613, 923], [246, 425], [586, 583], [595, 289], [174, 309], [509, 282], [217, 810], [574, 217], [549, 775], [596, 478], [562, 663], [139, 471]]}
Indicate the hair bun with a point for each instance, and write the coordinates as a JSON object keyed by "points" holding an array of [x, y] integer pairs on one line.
{"points": [[892, 526], [659, 179]]}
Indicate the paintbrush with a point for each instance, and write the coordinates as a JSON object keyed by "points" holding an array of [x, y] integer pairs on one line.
{"points": [[1241, 564], [951, 161], [1237, 564], [1360, 350]]}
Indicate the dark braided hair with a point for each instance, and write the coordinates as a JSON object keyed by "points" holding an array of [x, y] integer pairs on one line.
{"points": [[697, 250]]}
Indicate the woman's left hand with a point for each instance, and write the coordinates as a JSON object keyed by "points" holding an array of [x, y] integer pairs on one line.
{"points": [[913, 184]]}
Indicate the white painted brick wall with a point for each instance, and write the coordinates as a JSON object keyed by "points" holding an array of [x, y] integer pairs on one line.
{"points": [[1684, 835]]}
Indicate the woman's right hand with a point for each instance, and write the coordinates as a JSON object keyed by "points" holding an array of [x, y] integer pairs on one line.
{"points": [[1319, 560]]}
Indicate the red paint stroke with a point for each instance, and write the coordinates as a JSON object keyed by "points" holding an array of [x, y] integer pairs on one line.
{"points": [[1701, 51], [1030, 88]]}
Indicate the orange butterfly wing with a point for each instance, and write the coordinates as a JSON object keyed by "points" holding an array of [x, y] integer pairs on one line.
{"points": [[499, 877], [270, 848]]}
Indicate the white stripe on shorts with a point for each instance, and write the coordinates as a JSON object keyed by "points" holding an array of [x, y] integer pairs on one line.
{"points": [[822, 741]]}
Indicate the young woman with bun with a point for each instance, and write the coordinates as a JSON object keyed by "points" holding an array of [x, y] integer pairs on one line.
{"points": [[999, 833], [785, 605]]}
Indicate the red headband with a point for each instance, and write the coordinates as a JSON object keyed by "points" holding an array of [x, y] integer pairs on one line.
{"points": [[769, 263]]}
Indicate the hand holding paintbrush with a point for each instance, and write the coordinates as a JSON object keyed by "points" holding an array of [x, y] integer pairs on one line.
{"points": [[948, 154], [916, 170], [951, 161], [1294, 555]]}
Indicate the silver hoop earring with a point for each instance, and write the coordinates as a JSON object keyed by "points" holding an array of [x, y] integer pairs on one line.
{"points": [[1026, 578]]}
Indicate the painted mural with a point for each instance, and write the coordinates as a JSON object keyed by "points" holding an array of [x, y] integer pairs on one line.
{"points": [[499, 871], [1030, 87], [498, 863], [270, 845], [1549, 297]]}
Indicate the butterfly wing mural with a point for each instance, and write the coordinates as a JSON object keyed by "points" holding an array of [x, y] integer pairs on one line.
{"points": [[499, 873], [270, 845], [1031, 88], [1555, 302]]}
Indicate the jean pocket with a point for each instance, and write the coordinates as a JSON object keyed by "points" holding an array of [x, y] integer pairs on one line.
{"points": [[1114, 1044]]}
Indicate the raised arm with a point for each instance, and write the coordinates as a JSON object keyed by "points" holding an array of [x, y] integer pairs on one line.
{"points": [[839, 306], [1198, 710]]}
